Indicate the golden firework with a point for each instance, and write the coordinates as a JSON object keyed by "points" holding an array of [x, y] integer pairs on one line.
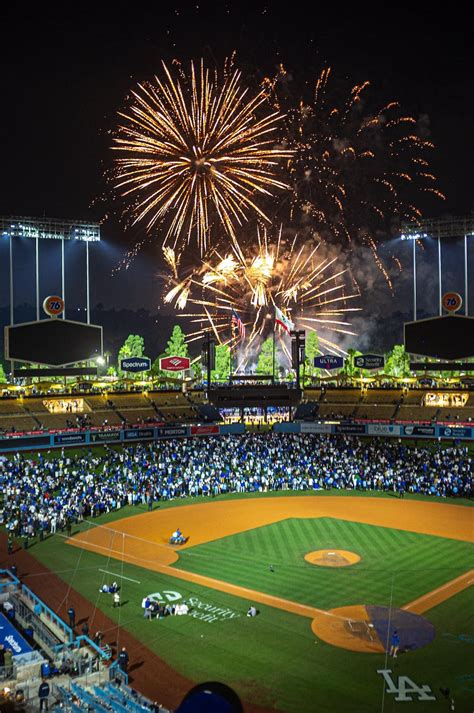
{"points": [[196, 150], [355, 170], [302, 280]]}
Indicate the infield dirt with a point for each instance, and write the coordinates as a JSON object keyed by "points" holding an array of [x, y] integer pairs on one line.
{"points": [[143, 540]]}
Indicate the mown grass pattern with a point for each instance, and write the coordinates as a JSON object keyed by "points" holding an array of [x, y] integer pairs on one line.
{"points": [[396, 566]]}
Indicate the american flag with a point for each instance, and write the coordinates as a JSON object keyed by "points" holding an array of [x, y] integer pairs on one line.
{"points": [[238, 324]]}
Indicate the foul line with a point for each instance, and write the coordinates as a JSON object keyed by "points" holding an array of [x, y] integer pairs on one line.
{"points": [[120, 576], [440, 594]]}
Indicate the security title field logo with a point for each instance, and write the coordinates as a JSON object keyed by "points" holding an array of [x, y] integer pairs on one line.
{"points": [[204, 611]]}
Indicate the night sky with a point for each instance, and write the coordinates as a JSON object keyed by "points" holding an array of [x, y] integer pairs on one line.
{"points": [[65, 75]]}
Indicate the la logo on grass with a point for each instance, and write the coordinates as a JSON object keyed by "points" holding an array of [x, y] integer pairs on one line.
{"points": [[406, 688]]}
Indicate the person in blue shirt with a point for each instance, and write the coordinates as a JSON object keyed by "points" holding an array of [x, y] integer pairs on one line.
{"points": [[43, 695], [395, 644]]}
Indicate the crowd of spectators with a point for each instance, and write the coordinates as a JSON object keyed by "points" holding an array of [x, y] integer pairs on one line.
{"points": [[44, 494]]}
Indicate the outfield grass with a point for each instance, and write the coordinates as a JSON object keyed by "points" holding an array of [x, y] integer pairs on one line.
{"points": [[275, 660], [396, 566]]}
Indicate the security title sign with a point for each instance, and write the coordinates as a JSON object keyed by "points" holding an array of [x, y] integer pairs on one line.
{"points": [[328, 361], [135, 364], [369, 361]]}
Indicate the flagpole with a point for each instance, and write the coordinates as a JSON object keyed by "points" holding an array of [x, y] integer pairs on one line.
{"points": [[230, 352], [273, 355]]}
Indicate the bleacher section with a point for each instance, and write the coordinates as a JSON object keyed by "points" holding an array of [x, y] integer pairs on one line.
{"points": [[457, 414], [375, 412], [133, 408], [306, 411], [105, 698]]}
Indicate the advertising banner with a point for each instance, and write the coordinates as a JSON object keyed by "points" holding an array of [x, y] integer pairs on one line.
{"points": [[455, 432], [24, 441], [383, 429], [172, 432], [315, 427], [211, 430], [134, 434], [355, 428], [135, 364], [11, 639], [369, 361], [103, 436], [419, 430], [69, 438], [328, 361], [175, 363]]}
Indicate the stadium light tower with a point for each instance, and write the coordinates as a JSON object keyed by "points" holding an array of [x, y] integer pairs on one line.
{"points": [[414, 237], [440, 228], [49, 229]]}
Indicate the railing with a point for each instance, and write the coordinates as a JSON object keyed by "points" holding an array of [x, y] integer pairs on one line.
{"points": [[7, 584], [48, 613], [115, 672], [6, 672], [30, 619], [80, 641]]}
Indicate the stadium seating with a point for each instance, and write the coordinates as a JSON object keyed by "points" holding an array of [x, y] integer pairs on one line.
{"points": [[105, 698], [416, 413], [171, 406], [382, 396], [336, 410], [10, 406], [456, 414], [18, 423], [375, 412]]}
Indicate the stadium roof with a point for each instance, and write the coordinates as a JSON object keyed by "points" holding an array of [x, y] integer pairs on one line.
{"points": [[452, 227], [48, 228]]}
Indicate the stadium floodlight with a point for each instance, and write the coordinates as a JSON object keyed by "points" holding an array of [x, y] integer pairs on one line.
{"points": [[48, 229], [16, 227], [440, 228], [413, 236]]}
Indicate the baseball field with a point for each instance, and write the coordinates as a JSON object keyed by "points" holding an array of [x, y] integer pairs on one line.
{"points": [[331, 576]]}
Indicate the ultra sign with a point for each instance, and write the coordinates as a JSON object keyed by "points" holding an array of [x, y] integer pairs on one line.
{"points": [[328, 361]]}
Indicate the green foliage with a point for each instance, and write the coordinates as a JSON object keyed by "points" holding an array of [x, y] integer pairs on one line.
{"points": [[349, 370], [265, 358], [223, 357], [311, 351], [197, 369], [3, 378], [176, 343], [397, 362]]}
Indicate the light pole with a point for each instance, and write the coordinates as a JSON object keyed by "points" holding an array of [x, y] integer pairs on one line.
{"points": [[466, 280], [414, 279], [414, 237]]}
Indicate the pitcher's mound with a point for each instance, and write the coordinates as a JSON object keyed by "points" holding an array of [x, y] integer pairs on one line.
{"points": [[332, 558]]}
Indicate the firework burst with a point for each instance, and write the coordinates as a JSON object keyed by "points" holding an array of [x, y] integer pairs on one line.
{"points": [[355, 174], [197, 150], [301, 280]]}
